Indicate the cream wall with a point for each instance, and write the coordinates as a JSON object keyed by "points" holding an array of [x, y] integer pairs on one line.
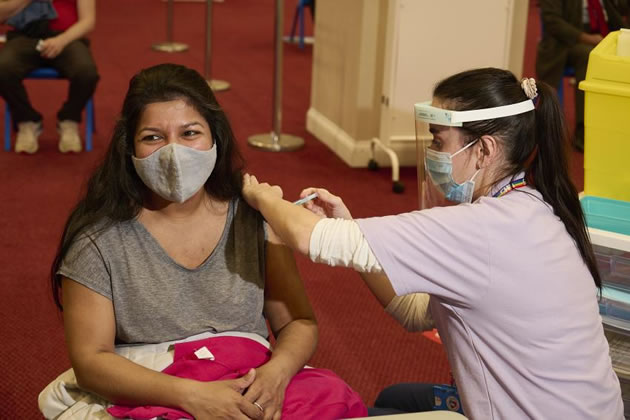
{"points": [[347, 72], [355, 60]]}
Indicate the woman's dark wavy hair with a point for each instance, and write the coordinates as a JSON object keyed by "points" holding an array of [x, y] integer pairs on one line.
{"points": [[533, 142], [115, 192]]}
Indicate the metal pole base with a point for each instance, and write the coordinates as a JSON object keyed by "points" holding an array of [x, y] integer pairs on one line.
{"points": [[218, 85], [170, 47], [274, 143], [308, 40]]}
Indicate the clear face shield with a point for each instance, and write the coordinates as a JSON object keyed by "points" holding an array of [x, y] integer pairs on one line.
{"points": [[436, 185]]}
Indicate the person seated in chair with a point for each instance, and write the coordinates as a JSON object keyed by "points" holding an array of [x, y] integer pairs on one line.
{"points": [[163, 248], [571, 29], [60, 43]]}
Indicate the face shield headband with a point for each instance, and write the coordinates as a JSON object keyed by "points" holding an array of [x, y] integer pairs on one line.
{"points": [[425, 112]]}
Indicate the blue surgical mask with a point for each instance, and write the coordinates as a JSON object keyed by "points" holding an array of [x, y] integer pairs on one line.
{"points": [[439, 165]]}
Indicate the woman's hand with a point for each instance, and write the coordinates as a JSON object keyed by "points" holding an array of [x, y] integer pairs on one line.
{"points": [[268, 390], [254, 192], [222, 399], [52, 47], [326, 204]]}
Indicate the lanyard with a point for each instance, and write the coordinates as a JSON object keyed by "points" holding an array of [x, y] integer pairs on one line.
{"points": [[516, 184]]}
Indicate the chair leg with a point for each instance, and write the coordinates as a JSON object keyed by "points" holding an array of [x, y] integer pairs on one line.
{"points": [[7, 128], [89, 124], [294, 25], [301, 12]]}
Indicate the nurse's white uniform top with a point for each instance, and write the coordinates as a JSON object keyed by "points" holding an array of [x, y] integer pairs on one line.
{"points": [[515, 305]]}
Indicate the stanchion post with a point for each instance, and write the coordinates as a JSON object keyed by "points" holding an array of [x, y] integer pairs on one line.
{"points": [[169, 46], [276, 141], [215, 85]]}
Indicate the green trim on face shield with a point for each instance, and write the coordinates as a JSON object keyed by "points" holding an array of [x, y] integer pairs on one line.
{"points": [[439, 166]]}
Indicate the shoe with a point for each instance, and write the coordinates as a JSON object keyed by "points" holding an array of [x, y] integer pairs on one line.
{"points": [[27, 135], [69, 139]]}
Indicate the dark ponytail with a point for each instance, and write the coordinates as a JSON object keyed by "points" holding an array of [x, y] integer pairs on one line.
{"points": [[549, 173], [533, 142]]}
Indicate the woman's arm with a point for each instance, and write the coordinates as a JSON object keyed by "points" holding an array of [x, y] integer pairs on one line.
{"points": [[294, 224], [90, 330], [86, 10], [293, 325]]}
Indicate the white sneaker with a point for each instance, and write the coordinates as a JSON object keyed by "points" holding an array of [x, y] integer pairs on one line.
{"points": [[27, 135], [69, 139]]}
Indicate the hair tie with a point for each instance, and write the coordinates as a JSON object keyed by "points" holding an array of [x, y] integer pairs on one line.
{"points": [[529, 87]]}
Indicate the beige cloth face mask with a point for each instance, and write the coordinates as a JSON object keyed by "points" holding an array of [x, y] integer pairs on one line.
{"points": [[176, 172]]}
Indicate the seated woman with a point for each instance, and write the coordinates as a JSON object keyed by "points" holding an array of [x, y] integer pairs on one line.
{"points": [[162, 247]]}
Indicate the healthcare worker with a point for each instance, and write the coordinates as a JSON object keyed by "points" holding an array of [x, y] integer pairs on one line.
{"points": [[511, 272]]}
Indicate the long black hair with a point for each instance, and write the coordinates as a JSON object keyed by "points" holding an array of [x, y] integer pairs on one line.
{"points": [[533, 142], [115, 192]]}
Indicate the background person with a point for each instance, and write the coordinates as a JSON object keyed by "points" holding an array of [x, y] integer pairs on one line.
{"points": [[570, 30], [61, 44]]}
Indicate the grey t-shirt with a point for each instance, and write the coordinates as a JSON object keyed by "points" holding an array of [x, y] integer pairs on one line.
{"points": [[156, 300]]}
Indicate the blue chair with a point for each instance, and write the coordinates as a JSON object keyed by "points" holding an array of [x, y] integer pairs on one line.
{"points": [[50, 73], [299, 15]]}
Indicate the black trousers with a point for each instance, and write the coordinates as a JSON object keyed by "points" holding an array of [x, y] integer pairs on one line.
{"points": [[578, 59], [403, 398], [75, 63]]}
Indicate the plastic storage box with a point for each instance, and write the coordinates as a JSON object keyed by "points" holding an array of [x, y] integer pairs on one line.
{"points": [[609, 227], [607, 122], [619, 343], [608, 219], [606, 214]]}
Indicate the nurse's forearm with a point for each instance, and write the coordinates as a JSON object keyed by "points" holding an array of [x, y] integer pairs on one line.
{"points": [[294, 224], [380, 286]]}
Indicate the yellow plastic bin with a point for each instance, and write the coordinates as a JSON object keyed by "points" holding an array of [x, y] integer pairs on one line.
{"points": [[607, 122]]}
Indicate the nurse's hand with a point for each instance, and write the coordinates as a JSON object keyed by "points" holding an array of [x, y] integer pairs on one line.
{"points": [[254, 191], [326, 204]]}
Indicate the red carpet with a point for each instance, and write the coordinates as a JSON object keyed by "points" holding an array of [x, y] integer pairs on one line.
{"points": [[358, 341]]}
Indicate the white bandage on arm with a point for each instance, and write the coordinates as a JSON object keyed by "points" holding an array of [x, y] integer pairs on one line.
{"points": [[412, 311], [340, 242]]}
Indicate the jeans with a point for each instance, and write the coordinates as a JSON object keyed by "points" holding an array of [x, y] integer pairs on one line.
{"points": [[403, 398]]}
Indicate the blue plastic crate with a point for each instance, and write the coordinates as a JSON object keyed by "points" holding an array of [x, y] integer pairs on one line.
{"points": [[615, 304], [607, 214]]}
